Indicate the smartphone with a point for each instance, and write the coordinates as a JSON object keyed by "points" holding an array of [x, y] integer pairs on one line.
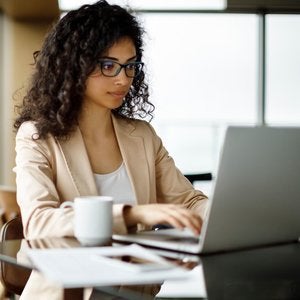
{"points": [[135, 263]]}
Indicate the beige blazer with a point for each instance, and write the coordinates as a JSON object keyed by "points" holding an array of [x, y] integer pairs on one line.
{"points": [[51, 171]]}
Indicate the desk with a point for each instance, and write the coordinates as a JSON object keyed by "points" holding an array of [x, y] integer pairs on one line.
{"points": [[265, 273]]}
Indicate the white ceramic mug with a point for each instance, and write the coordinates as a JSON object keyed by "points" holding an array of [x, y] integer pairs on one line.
{"points": [[92, 219]]}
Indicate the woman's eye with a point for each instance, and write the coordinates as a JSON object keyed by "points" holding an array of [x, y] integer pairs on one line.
{"points": [[107, 65], [130, 67]]}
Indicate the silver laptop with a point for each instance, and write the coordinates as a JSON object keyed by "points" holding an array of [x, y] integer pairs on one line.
{"points": [[255, 200]]}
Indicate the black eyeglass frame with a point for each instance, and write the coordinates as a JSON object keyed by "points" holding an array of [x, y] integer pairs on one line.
{"points": [[122, 66]]}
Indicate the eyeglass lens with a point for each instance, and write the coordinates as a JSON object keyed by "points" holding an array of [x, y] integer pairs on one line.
{"points": [[112, 68]]}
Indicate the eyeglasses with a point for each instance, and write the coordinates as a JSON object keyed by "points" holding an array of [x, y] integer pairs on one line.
{"points": [[110, 68]]}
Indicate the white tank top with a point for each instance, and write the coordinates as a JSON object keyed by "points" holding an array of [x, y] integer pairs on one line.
{"points": [[117, 185]]}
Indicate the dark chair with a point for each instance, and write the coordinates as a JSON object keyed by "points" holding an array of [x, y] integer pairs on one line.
{"points": [[198, 177], [12, 230], [13, 278]]}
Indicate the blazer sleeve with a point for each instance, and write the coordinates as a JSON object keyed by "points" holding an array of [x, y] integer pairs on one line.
{"points": [[171, 185], [43, 182], [41, 188], [37, 195]]}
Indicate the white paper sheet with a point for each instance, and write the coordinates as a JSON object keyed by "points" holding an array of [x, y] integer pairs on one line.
{"points": [[77, 267], [192, 287]]}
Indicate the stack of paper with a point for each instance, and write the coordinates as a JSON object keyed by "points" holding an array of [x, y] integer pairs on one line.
{"points": [[98, 266]]}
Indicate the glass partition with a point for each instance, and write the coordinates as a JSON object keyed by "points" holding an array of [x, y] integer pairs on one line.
{"points": [[203, 76], [283, 70]]}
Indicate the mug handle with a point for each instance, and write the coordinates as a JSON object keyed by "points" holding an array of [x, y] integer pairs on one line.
{"points": [[66, 204]]}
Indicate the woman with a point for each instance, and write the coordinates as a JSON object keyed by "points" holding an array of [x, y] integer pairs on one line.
{"points": [[79, 131]]}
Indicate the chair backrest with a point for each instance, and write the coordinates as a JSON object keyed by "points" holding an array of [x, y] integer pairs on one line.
{"points": [[13, 278], [198, 177], [12, 229]]}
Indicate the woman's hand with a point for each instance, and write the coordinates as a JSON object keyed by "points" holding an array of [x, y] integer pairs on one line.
{"points": [[174, 215]]}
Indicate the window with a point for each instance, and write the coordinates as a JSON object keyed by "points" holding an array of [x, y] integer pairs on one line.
{"points": [[204, 71], [203, 76], [283, 70]]}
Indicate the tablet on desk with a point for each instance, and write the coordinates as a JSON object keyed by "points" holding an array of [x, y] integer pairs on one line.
{"points": [[134, 263]]}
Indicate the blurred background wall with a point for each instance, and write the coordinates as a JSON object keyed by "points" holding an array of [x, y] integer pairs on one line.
{"points": [[206, 69], [23, 25]]}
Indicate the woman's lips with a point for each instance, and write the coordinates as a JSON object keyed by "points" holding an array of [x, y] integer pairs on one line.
{"points": [[118, 94]]}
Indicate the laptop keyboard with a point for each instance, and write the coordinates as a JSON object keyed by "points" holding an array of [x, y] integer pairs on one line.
{"points": [[172, 235], [186, 240]]}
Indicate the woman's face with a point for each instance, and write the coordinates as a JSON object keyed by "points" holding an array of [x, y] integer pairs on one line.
{"points": [[108, 92]]}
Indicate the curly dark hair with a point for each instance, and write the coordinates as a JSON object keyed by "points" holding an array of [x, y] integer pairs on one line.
{"points": [[68, 56]]}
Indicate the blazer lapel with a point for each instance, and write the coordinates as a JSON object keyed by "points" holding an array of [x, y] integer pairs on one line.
{"points": [[78, 164], [134, 156]]}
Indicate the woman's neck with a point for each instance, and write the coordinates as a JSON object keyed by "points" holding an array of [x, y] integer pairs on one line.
{"points": [[96, 123]]}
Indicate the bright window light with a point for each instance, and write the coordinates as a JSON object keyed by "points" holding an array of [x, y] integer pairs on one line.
{"points": [[66, 5]]}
